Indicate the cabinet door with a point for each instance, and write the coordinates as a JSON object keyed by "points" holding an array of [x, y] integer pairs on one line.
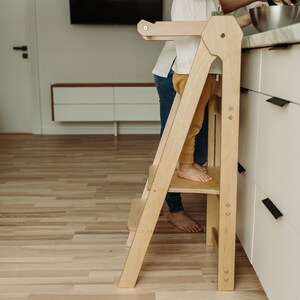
{"points": [[137, 112], [136, 104], [250, 72], [249, 110], [245, 212], [278, 158], [136, 95], [83, 95], [280, 72], [84, 113], [276, 253]]}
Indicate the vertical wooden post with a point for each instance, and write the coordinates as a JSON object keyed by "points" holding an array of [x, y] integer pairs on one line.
{"points": [[212, 207], [224, 40]]}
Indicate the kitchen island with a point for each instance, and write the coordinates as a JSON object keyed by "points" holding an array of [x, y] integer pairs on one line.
{"points": [[268, 224]]}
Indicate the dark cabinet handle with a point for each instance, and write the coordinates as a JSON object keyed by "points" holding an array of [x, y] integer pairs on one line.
{"points": [[241, 169], [243, 90], [278, 101], [245, 50], [281, 46], [21, 48], [272, 208]]}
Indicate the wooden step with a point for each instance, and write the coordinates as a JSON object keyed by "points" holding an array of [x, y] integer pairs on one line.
{"points": [[180, 185]]}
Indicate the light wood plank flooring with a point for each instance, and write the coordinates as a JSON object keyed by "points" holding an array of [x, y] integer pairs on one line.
{"points": [[64, 202]]}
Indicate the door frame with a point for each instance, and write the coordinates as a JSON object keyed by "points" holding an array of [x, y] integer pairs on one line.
{"points": [[34, 67]]}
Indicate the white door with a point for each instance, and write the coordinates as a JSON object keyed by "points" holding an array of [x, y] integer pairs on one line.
{"points": [[15, 74]]}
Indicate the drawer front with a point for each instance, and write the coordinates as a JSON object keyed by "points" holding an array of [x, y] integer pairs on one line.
{"points": [[77, 113], [248, 131], [250, 72], [280, 73], [276, 249], [136, 95], [135, 112], [278, 158], [83, 95]]}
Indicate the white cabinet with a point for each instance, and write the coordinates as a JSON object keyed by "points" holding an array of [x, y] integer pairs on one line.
{"points": [[278, 163], [269, 152], [250, 72], [280, 72], [249, 110], [276, 253], [104, 102], [82, 103]]}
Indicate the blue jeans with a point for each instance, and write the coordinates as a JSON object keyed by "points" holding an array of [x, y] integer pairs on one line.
{"points": [[167, 94]]}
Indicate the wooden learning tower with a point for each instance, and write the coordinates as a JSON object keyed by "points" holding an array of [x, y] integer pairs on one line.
{"points": [[221, 37]]}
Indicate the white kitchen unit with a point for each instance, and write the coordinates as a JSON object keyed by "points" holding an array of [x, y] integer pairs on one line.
{"points": [[268, 222], [249, 109], [136, 104], [104, 102]]}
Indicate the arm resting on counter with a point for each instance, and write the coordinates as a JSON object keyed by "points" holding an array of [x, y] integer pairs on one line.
{"points": [[244, 20]]}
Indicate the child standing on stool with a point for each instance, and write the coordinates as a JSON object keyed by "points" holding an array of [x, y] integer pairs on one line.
{"points": [[186, 48]]}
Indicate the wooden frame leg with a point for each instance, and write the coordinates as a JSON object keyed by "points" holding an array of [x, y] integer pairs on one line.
{"points": [[229, 53], [141, 240], [212, 217], [130, 238], [212, 208]]}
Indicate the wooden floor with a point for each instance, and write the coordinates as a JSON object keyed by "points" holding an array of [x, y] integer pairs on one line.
{"points": [[64, 202]]}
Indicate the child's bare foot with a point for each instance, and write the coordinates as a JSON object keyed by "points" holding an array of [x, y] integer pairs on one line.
{"points": [[181, 221], [200, 168], [188, 171]]}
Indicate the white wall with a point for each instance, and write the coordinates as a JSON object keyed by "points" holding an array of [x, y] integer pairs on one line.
{"points": [[15, 75], [88, 53]]}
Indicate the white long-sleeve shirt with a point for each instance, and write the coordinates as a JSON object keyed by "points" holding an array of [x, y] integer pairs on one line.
{"points": [[165, 60], [187, 46]]}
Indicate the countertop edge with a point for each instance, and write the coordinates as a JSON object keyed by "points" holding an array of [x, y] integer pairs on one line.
{"points": [[284, 35]]}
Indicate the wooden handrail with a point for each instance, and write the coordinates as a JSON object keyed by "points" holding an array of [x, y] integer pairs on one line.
{"points": [[169, 30]]}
